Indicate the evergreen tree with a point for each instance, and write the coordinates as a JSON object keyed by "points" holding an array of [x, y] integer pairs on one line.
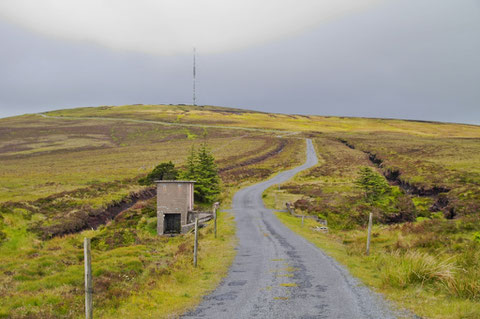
{"points": [[208, 182], [201, 167], [390, 204], [374, 185], [190, 166]]}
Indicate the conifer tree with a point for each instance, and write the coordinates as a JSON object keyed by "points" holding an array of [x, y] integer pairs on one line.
{"points": [[200, 167], [373, 184], [208, 182], [190, 166]]}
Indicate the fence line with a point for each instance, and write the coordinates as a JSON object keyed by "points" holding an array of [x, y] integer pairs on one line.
{"points": [[291, 210]]}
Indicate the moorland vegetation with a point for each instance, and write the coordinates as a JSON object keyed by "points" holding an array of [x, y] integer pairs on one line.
{"points": [[425, 247], [65, 179], [66, 171]]}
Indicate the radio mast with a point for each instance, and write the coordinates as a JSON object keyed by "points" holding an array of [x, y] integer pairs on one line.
{"points": [[194, 77]]}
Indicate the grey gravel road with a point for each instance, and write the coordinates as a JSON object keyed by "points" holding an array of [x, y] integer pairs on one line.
{"points": [[278, 274]]}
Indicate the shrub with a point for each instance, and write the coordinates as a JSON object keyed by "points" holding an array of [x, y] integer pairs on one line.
{"points": [[3, 236], [476, 237], [163, 171], [422, 205], [303, 204], [437, 215], [404, 210], [111, 239]]}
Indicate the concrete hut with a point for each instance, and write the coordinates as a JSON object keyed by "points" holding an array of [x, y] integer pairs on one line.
{"points": [[174, 206]]}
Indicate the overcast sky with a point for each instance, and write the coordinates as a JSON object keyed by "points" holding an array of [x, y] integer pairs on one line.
{"points": [[415, 59]]}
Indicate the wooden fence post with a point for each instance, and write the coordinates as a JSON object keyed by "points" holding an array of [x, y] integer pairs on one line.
{"points": [[88, 280], [215, 220], [195, 245], [291, 209], [302, 219], [215, 206], [370, 221]]}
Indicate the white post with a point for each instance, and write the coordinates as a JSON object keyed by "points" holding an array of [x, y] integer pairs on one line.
{"points": [[88, 280], [370, 217]]}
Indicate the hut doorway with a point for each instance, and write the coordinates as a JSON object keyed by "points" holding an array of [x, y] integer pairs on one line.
{"points": [[173, 224]]}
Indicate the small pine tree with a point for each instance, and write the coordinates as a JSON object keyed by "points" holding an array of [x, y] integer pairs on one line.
{"points": [[201, 167], [389, 203], [190, 170], [208, 182], [373, 184]]}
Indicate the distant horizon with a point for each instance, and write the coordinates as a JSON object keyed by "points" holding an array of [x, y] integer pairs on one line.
{"points": [[248, 109], [396, 59]]}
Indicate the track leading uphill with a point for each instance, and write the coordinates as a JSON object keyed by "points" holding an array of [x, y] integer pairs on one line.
{"points": [[278, 274]]}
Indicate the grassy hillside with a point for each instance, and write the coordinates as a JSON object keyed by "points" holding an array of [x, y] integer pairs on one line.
{"points": [[59, 177], [210, 115], [63, 169]]}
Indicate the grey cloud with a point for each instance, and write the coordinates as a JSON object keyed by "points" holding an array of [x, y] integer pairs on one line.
{"points": [[174, 26]]}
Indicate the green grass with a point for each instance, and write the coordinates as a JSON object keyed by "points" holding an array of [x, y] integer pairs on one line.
{"points": [[183, 286], [132, 275]]}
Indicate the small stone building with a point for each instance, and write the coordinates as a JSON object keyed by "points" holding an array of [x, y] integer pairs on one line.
{"points": [[174, 206]]}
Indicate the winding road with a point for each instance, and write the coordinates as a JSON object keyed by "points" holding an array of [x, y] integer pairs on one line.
{"points": [[278, 274]]}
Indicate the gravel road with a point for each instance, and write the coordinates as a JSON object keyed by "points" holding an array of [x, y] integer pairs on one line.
{"points": [[278, 274]]}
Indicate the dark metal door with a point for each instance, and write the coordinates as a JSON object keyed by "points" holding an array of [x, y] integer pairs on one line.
{"points": [[173, 224]]}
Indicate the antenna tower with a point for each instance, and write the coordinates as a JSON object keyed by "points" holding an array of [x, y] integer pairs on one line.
{"points": [[194, 76]]}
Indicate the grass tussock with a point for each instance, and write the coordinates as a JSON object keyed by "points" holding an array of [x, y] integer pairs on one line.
{"points": [[402, 269]]}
